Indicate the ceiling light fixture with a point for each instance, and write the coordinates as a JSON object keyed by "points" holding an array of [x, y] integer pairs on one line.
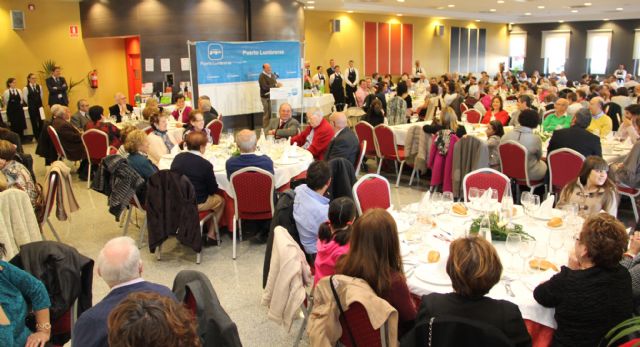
{"points": [[606, 19], [561, 21], [540, 7], [501, 1], [310, 7], [399, 14], [587, 4], [619, 9], [477, 20], [452, 5], [527, 13], [311, 2], [492, 10], [574, 11], [349, 11], [400, 0]]}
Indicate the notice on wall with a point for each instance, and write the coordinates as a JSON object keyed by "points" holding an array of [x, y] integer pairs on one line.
{"points": [[148, 65], [185, 64], [165, 64]]}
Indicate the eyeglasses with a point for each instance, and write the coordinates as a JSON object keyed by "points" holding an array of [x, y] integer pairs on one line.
{"points": [[576, 237]]}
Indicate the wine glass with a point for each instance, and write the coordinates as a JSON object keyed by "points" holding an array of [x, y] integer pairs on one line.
{"points": [[512, 244], [534, 204], [571, 212], [436, 201], [447, 200], [540, 252], [526, 251], [494, 198], [556, 241], [525, 198], [474, 194]]}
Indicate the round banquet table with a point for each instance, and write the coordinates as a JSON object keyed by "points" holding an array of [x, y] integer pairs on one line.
{"points": [[424, 278]]}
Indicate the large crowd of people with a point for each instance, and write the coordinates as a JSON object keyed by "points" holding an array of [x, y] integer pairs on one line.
{"points": [[602, 268]]}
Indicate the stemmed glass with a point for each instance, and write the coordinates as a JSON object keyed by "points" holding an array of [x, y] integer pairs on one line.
{"points": [[436, 201], [556, 241], [512, 244], [526, 251], [447, 200], [474, 195], [534, 204], [525, 199], [540, 252], [494, 198]]}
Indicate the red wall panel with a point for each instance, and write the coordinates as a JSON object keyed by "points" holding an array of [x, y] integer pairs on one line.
{"points": [[370, 48], [407, 48], [396, 49], [383, 48]]}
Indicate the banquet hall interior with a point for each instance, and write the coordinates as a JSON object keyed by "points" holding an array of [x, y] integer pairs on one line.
{"points": [[314, 173]]}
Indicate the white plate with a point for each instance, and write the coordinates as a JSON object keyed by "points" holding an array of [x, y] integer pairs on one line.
{"points": [[546, 216], [291, 161], [433, 273], [519, 213], [453, 214], [405, 250]]}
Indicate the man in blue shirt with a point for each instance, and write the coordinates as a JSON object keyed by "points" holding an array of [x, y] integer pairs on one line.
{"points": [[120, 266], [246, 140], [311, 207]]}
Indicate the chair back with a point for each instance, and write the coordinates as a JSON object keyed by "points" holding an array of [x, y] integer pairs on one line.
{"points": [[50, 195], [363, 149], [512, 98], [547, 113], [55, 139], [215, 127], [463, 107], [364, 131], [484, 179], [148, 130], [361, 329], [253, 189], [564, 166], [473, 116], [386, 140], [470, 101], [372, 191], [513, 160], [96, 144]]}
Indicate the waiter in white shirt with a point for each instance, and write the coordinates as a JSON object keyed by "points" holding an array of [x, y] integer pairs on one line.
{"points": [[351, 84], [417, 71], [319, 80]]}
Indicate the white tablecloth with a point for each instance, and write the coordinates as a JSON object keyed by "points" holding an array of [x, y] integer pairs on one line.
{"points": [[401, 130], [324, 102], [415, 261], [283, 173]]}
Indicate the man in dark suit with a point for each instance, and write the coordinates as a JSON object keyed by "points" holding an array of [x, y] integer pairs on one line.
{"points": [[70, 138], [121, 108], [284, 125], [58, 88], [344, 143], [267, 80], [246, 140], [331, 69], [81, 118], [120, 266], [577, 137]]}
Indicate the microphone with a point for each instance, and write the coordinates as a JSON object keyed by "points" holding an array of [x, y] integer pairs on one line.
{"points": [[276, 74]]}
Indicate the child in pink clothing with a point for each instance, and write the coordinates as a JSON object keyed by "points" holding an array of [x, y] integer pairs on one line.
{"points": [[333, 237]]}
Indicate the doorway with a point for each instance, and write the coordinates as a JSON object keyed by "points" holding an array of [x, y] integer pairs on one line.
{"points": [[134, 67]]}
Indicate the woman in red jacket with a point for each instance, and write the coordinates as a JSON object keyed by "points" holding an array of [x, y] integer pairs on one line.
{"points": [[496, 112]]}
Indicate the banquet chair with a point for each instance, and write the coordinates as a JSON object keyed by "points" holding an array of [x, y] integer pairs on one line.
{"points": [[513, 161], [215, 127], [135, 202], [512, 98], [484, 179], [148, 130], [252, 190], [364, 131], [50, 200], [564, 166], [55, 139], [463, 107], [360, 329], [96, 144], [203, 217], [361, 154], [388, 149], [547, 114], [371, 191], [473, 116], [632, 194]]}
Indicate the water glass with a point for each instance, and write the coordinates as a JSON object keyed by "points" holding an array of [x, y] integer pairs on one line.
{"points": [[556, 241], [474, 194], [525, 198], [494, 198], [526, 251], [447, 200], [436, 200], [512, 244], [541, 252], [534, 204]]}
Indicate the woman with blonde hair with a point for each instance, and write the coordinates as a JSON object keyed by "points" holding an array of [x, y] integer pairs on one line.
{"points": [[592, 191], [374, 256]]}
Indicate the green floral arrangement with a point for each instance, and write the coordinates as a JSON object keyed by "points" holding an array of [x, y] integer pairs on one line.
{"points": [[499, 230]]}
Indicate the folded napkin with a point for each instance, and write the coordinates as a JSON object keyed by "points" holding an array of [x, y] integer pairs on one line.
{"points": [[547, 205], [486, 196]]}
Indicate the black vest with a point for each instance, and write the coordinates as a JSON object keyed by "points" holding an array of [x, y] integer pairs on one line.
{"points": [[337, 83], [352, 75], [34, 98]]}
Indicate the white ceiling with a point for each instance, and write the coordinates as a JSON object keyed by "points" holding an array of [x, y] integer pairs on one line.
{"points": [[506, 11]]}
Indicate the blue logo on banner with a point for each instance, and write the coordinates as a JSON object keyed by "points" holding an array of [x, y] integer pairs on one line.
{"points": [[215, 51], [233, 62]]}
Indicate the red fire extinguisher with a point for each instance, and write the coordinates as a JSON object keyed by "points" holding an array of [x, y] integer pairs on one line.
{"points": [[93, 79]]}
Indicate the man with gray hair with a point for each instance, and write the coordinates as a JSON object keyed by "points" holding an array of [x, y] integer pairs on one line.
{"points": [[81, 118], [121, 108], [577, 137], [601, 124], [284, 125], [69, 136], [246, 140], [208, 112], [345, 143], [316, 137], [120, 266]]}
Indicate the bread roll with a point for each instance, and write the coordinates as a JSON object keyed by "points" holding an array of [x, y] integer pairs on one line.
{"points": [[459, 209], [544, 265], [554, 222], [433, 256]]}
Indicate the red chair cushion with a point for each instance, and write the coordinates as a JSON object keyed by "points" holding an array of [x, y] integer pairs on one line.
{"points": [[485, 180], [628, 190], [253, 195], [513, 162], [360, 326], [203, 214], [564, 167], [373, 193]]}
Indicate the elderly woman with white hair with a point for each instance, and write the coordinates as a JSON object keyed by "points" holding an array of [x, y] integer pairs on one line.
{"points": [[208, 112], [316, 137], [120, 266]]}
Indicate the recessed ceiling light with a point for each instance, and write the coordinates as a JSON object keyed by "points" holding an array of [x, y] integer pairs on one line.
{"points": [[349, 11], [310, 7], [501, 1], [477, 20], [619, 9], [400, 0], [399, 14], [492, 10], [527, 14], [311, 2], [560, 21], [440, 8], [574, 11], [606, 19], [587, 4], [452, 5], [540, 7]]}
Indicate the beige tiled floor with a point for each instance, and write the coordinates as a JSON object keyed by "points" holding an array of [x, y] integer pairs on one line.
{"points": [[238, 283]]}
